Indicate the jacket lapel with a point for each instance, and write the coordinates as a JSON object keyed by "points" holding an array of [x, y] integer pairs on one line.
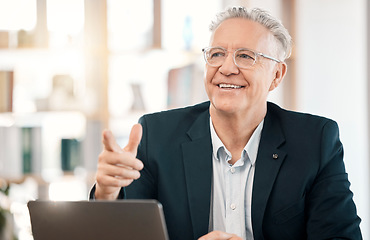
{"points": [[197, 156], [269, 160]]}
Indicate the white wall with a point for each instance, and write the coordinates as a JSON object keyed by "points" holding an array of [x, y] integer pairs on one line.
{"points": [[332, 81]]}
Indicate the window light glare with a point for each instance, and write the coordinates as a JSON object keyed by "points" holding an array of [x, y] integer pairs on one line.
{"points": [[65, 16], [18, 14]]}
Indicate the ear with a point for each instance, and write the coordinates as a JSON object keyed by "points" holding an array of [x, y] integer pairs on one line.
{"points": [[280, 71]]}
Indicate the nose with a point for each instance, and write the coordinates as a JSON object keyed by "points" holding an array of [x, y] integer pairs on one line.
{"points": [[229, 67]]}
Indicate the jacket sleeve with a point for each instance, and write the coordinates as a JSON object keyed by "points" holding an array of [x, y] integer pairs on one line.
{"points": [[331, 211], [144, 187]]}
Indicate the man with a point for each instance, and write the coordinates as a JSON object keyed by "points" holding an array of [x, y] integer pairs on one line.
{"points": [[237, 167]]}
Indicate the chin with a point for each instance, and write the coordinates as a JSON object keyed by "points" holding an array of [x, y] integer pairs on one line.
{"points": [[227, 107]]}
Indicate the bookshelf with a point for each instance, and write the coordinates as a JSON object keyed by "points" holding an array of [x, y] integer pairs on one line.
{"points": [[53, 95], [31, 143], [73, 75]]}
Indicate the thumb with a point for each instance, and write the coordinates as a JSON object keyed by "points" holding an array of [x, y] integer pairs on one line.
{"points": [[134, 139]]}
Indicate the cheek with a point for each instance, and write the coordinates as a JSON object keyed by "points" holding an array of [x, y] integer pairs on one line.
{"points": [[209, 73], [258, 82]]}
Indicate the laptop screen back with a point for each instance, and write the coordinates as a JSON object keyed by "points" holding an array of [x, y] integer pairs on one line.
{"points": [[97, 220]]}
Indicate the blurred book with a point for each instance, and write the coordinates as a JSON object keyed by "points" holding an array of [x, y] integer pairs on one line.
{"points": [[10, 153], [4, 39], [70, 154], [6, 91], [31, 150], [26, 149], [20, 151]]}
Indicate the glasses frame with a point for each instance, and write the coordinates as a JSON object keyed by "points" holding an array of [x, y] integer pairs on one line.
{"points": [[257, 54]]}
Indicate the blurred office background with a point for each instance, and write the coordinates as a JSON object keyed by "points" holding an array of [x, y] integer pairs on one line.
{"points": [[71, 68]]}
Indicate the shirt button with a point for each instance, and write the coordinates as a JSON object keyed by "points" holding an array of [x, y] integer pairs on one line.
{"points": [[232, 206], [232, 170]]}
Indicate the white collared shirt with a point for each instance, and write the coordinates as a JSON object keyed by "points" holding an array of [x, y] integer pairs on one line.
{"points": [[232, 186]]}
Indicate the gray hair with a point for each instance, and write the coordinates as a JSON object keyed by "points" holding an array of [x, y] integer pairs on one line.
{"points": [[262, 17]]}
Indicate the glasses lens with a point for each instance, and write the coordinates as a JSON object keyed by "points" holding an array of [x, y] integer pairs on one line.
{"points": [[215, 56], [245, 58]]}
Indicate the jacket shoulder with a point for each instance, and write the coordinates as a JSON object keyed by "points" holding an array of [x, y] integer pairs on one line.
{"points": [[294, 118], [179, 117]]}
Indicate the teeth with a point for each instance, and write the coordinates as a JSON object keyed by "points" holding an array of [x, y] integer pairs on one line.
{"points": [[223, 85]]}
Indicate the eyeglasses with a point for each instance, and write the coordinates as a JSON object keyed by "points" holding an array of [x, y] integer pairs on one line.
{"points": [[243, 57]]}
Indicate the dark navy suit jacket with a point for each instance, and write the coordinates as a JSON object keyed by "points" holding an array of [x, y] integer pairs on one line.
{"points": [[300, 190]]}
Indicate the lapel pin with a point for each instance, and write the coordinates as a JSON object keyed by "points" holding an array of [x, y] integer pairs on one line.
{"points": [[275, 156]]}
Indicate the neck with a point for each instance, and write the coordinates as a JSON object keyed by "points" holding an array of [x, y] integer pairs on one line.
{"points": [[235, 129]]}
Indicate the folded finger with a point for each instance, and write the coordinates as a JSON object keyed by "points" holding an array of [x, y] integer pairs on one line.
{"points": [[119, 171], [120, 159], [111, 181]]}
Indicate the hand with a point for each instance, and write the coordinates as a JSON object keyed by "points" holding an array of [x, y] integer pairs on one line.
{"points": [[117, 167], [218, 235]]}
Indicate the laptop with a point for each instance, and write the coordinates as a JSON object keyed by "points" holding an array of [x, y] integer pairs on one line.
{"points": [[97, 220]]}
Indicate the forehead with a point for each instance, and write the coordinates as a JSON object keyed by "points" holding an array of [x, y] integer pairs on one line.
{"points": [[239, 32]]}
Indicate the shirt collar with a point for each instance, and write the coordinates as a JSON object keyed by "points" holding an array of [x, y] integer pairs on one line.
{"points": [[216, 141], [251, 148]]}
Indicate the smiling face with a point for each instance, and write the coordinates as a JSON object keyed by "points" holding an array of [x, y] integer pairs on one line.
{"points": [[232, 90]]}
